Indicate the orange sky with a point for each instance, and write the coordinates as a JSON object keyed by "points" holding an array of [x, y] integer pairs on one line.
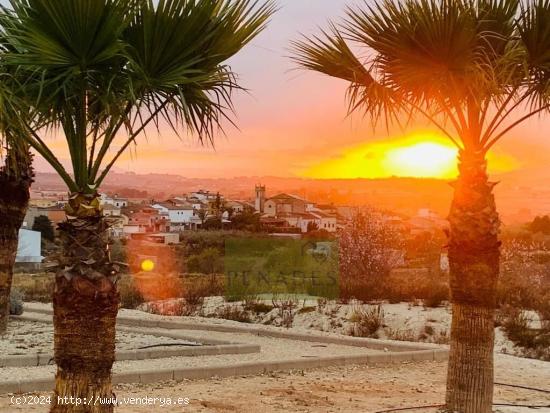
{"points": [[293, 123]]}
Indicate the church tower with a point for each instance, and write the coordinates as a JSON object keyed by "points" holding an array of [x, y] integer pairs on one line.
{"points": [[260, 198]]}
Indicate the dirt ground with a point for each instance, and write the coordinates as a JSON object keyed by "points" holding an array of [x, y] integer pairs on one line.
{"points": [[357, 389]]}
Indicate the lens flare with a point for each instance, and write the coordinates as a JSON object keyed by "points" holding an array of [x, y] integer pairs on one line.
{"points": [[154, 270], [147, 265]]}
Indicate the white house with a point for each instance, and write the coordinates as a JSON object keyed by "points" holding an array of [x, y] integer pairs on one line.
{"points": [[296, 211], [145, 219], [110, 210], [324, 220], [203, 195], [237, 206], [181, 217], [165, 238], [114, 201], [305, 220]]}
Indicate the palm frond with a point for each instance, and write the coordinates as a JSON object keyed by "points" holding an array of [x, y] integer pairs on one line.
{"points": [[467, 63], [534, 30], [92, 68], [330, 54]]}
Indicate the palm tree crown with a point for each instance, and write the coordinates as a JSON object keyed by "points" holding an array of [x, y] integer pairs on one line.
{"points": [[100, 69], [466, 65]]}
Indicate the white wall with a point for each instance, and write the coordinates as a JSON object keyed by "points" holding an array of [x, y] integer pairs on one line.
{"points": [[29, 246], [180, 216]]}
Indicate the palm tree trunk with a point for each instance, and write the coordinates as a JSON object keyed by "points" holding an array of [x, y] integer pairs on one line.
{"points": [[85, 309], [474, 254], [15, 181]]}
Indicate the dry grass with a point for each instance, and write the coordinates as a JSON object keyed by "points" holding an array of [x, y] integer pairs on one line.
{"points": [[403, 285], [517, 326], [366, 321], [286, 310], [35, 287], [233, 312]]}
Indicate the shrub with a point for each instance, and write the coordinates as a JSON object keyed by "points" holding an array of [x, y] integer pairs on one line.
{"points": [[286, 311], [209, 261], [366, 321], [195, 289], [533, 342], [305, 310], [118, 252], [442, 337], [542, 307], [184, 308], [368, 248], [253, 305], [401, 335], [515, 325], [321, 304], [194, 295], [16, 302], [436, 295], [524, 280], [43, 225], [233, 312], [35, 287], [130, 296], [401, 285]]}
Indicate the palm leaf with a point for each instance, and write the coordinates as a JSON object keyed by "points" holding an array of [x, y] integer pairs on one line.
{"points": [[534, 30], [465, 65], [94, 67]]}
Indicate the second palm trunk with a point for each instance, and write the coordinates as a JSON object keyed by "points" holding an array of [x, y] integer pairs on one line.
{"points": [[474, 254], [85, 309], [16, 178]]}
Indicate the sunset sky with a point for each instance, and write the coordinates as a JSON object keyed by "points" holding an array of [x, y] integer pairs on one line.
{"points": [[293, 123]]}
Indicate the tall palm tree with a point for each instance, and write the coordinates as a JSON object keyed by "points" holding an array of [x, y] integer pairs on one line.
{"points": [[107, 69], [16, 177], [475, 69]]}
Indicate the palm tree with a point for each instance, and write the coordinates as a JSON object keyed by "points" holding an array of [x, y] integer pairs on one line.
{"points": [[475, 69], [16, 177], [106, 70]]}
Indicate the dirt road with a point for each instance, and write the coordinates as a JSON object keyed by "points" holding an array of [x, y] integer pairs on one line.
{"points": [[357, 389]]}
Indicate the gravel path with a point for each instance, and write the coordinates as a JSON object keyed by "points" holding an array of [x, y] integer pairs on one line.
{"points": [[272, 349], [28, 337]]}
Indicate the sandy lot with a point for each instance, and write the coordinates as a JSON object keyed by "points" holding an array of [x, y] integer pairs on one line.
{"points": [[401, 321], [355, 389]]}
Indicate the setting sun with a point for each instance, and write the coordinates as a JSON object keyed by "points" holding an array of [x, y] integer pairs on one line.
{"points": [[423, 159], [423, 154]]}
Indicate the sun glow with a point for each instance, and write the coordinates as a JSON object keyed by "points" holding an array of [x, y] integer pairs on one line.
{"points": [[424, 159], [420, 155]]}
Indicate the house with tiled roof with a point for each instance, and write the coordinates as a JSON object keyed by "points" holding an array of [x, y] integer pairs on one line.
{"points": [[297, 212], [144, 219], [284, 203]]}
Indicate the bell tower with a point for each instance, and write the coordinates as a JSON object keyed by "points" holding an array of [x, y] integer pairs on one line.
{"points": [[260, 198]]}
